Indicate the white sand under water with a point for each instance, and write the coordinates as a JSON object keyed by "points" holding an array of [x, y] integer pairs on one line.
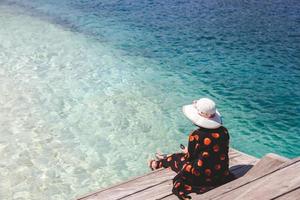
{"points": [[76, 115]]}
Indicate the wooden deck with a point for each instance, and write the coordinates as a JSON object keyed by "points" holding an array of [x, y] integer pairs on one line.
{"points": [[272, 177]]}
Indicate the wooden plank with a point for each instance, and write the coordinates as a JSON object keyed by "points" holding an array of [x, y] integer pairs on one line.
{"points": [[267, 164], [291, 195], [156, 192], [131, 186], [152, 179], [242, 165], [237, 170], [163, 191], [270, 162], [238, 157], [269, 186]]}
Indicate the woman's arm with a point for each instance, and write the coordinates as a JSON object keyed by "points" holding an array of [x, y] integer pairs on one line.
{"points": [[197, 141], [191, 145]]}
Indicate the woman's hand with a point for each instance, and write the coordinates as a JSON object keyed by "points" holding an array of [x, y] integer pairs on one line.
{"points": [[185, 150]]}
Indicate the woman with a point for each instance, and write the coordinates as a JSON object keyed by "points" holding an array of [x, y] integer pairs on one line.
{"points": [[204, 164]]}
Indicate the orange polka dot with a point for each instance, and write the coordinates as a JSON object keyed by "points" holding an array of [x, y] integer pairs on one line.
{"points": [[188, 187], [207, 172], [177, 185], [207, 141], [188, 168], [191, 138], [196, 137], [169, 159], [205, 154], [200, 163], [216, 135], [222, 157], [217, 166], [216, 148]]}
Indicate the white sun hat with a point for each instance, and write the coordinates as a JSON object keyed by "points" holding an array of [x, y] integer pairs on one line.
{"points": [[203, 113]]}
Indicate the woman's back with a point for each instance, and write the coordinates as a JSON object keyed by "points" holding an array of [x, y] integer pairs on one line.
{"points": [[204, 164], [208, 153]]}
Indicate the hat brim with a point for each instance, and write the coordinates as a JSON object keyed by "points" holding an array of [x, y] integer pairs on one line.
{"points": [[192, 114]]}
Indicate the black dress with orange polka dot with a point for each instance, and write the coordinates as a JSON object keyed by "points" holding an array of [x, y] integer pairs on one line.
{"points": [[204, 166]]}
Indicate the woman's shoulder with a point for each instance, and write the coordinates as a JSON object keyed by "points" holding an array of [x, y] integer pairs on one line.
{"points": [[224, 129], [202, 131], [194, 132]]}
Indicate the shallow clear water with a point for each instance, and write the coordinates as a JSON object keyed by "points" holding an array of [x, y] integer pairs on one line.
{"points": [[89, 89]]}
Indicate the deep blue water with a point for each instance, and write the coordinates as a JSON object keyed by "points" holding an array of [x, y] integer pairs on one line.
{"points": [[243, 54], [247, 51]]}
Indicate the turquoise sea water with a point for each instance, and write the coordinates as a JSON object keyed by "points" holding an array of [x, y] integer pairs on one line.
{"points": [[90, 89]]}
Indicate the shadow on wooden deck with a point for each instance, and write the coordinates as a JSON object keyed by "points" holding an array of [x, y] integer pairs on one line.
{"points": [[240, 170]]}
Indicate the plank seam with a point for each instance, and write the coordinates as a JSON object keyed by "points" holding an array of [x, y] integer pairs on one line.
{"points": [[233, 155], [292, 190], [143, 189], [119, 184], [233, 170], [280, 168], [165, 196]]}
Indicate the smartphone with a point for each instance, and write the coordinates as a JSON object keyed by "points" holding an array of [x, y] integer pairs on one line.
{"points": [[182, 146]]}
